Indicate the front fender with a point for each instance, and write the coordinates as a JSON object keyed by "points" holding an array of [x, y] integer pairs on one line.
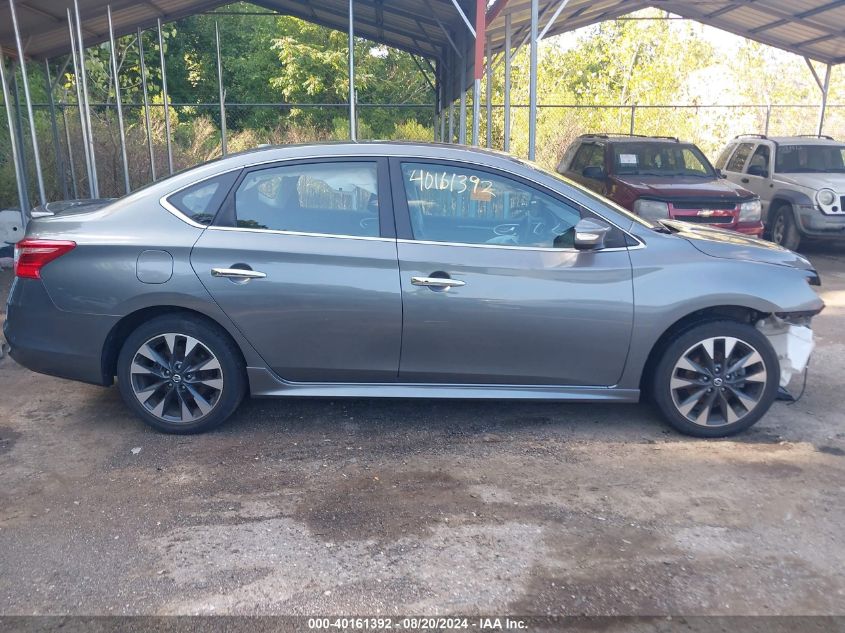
{"points": [[674, 283]]}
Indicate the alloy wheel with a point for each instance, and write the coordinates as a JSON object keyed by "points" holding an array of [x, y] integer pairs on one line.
{"points": [[176, 378], [718, 381]]}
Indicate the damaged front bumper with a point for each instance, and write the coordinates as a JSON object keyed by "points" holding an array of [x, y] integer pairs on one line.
{"points": [[792, 339]]}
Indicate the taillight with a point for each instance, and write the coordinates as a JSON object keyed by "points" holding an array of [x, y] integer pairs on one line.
{"points": [[31, 255]]}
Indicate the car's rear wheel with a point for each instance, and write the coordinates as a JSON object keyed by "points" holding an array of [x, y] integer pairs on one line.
{"points": [[783, 230], [716, 379], [180, 374]]}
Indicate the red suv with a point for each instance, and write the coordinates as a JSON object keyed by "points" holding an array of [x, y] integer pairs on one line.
{"points": [[659, 177]]}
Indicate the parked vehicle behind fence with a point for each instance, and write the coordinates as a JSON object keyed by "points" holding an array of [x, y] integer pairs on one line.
{"points": [[800, 181], [404, 270], [660, 177]]}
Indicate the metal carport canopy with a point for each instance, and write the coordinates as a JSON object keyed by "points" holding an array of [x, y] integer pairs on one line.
{"points": [[410, 25], [810, 28]]}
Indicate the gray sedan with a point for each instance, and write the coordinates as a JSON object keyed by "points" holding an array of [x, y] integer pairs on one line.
{"points": [[404, 270]]}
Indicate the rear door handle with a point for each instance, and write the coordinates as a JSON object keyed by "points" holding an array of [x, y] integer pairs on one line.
{"points": [[437, 282], [745, 180], [237, 273]]}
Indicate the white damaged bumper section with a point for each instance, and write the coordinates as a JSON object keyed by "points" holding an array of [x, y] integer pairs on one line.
{"points": [[793, 344]]}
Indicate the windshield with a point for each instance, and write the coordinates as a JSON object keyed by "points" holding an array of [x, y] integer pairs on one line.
{"points": [[792, 159], [660, 159]]}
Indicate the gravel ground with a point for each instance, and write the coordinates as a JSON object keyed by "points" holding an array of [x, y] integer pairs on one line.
{"points": [[396, 507]]}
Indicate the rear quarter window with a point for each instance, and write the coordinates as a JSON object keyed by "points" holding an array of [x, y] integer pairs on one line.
{"points": [[200, 202]]}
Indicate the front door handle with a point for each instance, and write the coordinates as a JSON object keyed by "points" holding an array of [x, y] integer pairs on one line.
{"points": [[745, 180], [437, 282], [237, 273]]}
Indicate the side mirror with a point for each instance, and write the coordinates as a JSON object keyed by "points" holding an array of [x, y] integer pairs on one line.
{"points": [[758, 170], [590, 234], [592, 172]]}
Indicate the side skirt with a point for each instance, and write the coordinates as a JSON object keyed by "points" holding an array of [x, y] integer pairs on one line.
{"points": [[263, 383]]}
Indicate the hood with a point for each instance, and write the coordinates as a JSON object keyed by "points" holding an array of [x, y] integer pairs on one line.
{"points": [[732, 245], [672, 187], [814, 180], [69, 207]]}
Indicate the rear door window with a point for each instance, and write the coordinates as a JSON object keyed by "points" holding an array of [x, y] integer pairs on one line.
{"points": [[330, 198]]}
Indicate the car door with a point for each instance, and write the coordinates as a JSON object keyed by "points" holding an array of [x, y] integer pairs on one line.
{"points": [[757, 176], [302, 258], [493, 291]]}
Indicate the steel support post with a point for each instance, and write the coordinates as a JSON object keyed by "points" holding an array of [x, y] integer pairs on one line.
{"points": [[77, 80], [478, 67], [825, 93], [221, 92], [70, 160], [353, 128], [146, 96], [532, 83], [489, 92], [13, 137], [54, 128], [94, 181], [164, 97], [462, 130], [16, 97], [118, 102], [507, 124], [42, 196]]}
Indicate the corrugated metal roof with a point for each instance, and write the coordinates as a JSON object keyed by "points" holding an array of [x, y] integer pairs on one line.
{"points": [[812, 28], [410, 25]]}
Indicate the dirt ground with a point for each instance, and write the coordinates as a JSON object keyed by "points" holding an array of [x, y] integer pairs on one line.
{"points": [[396, 507]]}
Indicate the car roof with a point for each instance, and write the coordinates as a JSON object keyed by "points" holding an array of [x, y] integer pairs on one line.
{"points": [[802, 139], [632, 138]]}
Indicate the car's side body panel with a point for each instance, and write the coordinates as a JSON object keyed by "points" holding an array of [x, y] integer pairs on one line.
{"points": [[86, 293]]}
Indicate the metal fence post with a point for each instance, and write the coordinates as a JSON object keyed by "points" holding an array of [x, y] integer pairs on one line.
{"points": [[221, 91]]}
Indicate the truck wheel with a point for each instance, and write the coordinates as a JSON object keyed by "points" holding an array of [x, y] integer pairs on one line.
{"points": [[784, 231]]}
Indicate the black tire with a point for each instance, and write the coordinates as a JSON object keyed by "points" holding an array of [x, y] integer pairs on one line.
{"points": [[231, 375], [783, 229], [733, 391]]}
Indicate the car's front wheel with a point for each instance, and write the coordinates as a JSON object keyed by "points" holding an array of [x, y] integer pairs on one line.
{"points": [[716, 379], [180, 374]]}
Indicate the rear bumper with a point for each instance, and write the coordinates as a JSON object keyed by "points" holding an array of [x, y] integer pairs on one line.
{"points": [[49, 341]]}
